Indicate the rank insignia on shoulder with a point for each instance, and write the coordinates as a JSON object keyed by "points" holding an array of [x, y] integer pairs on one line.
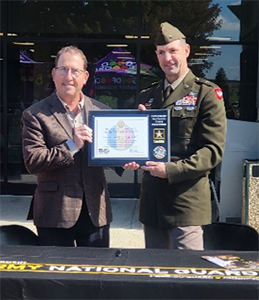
{"points": [[219, 93]]}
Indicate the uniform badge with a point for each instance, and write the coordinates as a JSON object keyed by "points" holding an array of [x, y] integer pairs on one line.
{"points": [[219, 93], [149, 103], [158, 135], [159, 152], [189, 100]]}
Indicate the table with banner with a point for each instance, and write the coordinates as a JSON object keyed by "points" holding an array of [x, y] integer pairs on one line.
{"points": [[35, 272]]}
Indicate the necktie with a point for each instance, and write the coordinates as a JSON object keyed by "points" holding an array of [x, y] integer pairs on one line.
{"points": [[167, 91]]}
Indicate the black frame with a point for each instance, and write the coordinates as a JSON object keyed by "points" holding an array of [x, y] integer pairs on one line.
{"points": [[158, 148]]}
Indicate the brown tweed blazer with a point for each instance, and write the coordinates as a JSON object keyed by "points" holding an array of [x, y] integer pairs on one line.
{"points": [[62, 179]]}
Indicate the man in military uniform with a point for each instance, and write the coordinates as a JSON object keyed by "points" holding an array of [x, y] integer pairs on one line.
{"points": [[175, 196]]}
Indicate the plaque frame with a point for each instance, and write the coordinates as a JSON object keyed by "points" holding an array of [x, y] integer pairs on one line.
{"points": [[122, 136]]}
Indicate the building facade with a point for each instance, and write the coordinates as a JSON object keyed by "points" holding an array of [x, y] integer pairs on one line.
{"points": [[118, 40]]}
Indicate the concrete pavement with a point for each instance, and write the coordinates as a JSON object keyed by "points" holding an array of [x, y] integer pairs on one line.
{"points": [[126, 230]]}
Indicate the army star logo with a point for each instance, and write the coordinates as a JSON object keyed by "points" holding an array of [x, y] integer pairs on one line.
{"points": [[159, 135]]}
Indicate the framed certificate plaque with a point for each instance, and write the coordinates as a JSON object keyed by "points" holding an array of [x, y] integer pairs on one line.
{"points": [[121, 136]]}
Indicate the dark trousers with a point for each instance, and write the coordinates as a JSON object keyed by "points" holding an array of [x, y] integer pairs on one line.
{"points": [[82, 234]]}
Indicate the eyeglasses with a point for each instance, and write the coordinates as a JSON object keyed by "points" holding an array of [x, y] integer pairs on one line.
{"points": [[74, 72]]}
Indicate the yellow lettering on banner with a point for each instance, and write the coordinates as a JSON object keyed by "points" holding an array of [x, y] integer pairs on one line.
{"points": [[23, 267], [35, 267], [16, 267], [3, 266]]}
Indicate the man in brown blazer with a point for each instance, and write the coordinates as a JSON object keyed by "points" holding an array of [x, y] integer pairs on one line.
{"points": [[71, 204]]}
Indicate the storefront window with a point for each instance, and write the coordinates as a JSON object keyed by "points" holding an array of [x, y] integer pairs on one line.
{"points": [[118, 40], [74, 18]]}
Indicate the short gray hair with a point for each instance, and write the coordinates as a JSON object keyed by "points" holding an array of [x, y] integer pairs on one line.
{"points": [[73, 50]]}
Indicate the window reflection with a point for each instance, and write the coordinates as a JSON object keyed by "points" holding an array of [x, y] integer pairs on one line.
{"points": [[223, 35], [74, 17]]}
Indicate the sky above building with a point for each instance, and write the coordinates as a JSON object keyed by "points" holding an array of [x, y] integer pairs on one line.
{"points": [[230, 54]]}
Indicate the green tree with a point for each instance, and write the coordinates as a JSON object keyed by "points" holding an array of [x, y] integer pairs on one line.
{"points": [[116, 18], [221, 77], [197, 19]]}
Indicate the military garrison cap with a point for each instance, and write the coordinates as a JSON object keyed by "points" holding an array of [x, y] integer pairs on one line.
{"points": [[168, 33]]}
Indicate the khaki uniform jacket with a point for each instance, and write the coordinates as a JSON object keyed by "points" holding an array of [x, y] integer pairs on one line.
{"points": [[62, 179], [198, 130]]}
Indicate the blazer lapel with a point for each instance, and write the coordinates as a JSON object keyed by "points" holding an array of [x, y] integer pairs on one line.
{"points": [[87, 107], [59, 113]]}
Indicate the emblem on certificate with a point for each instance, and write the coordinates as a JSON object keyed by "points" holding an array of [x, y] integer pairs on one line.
{"points": [[124, 135]]}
